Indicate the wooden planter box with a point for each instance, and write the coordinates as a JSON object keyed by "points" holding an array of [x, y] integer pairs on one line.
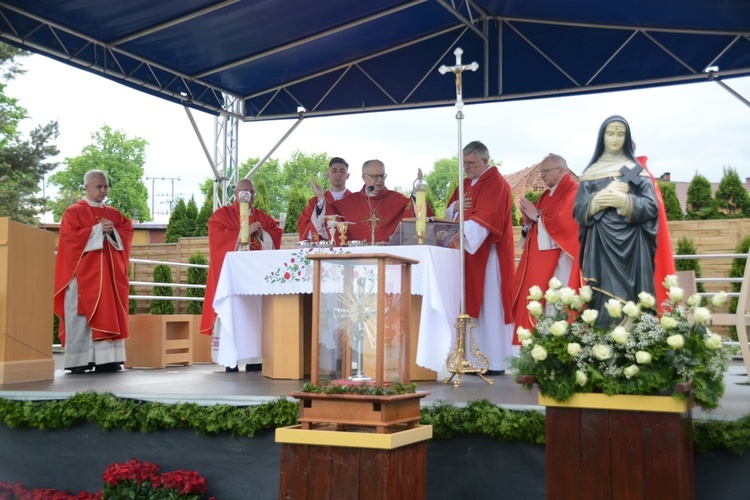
{"points": [[380, 412], [602, 446]]}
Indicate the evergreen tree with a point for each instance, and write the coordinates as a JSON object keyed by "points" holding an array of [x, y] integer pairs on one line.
{"points": [[700, 203], [671, 203], [196, 276], [533, 196], [178, 224], [262, 202], [297, 203], [191, 216], [23, 162], [731, 198], [162, 274], [685, 246], [201, 222]]}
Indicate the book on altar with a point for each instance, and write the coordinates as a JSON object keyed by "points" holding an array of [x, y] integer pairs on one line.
{"points": [[438, 232]]}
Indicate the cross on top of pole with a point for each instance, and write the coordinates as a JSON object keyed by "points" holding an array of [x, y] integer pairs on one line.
{"points": [[457, 70]]}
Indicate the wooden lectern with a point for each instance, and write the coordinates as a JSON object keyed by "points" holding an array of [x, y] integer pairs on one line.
{"points": [[27, 279]]}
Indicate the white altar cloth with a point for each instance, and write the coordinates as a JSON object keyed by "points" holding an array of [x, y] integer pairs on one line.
{"points": [[247, 276]]}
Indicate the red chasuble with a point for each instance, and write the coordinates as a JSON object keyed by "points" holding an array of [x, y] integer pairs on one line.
{"points": [[537, 267], [304, 224], [103, 284], [388, 208], [223, 232], [663, 259], [491, 208]]}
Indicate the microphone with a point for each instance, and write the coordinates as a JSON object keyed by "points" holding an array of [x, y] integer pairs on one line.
{"points": [[370, 189]]}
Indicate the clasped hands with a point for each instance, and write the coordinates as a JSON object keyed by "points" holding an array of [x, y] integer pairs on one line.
{"points": [[615, 195], [107, 225]]}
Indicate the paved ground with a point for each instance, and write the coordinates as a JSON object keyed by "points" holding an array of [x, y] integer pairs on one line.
{"points": [[209, 384]]}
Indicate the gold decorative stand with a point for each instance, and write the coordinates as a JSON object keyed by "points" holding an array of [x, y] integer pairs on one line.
{"points": [[457, 362]]}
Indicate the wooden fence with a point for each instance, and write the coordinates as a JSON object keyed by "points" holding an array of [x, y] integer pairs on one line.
{"points": [[709, 237]]}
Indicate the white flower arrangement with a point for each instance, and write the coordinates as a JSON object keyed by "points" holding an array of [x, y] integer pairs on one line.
{"points": [[642, 352]]}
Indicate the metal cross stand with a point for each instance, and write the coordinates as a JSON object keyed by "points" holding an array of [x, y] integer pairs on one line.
{"points": [[457, 362]]}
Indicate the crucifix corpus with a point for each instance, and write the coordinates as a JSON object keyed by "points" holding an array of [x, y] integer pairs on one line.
{"points": [[457, 362]]}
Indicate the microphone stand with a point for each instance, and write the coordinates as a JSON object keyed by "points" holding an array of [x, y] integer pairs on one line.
{"points": [[370, 189]]}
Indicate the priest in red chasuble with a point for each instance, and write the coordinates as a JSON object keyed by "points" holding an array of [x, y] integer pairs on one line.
{"points": [[338, 173], [223, 236], [549, 239], [91, 280], [489, 259], [374, 205]]}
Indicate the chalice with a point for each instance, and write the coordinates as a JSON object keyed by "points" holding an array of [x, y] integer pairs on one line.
{"points": [[341, 227], [331, 225]]}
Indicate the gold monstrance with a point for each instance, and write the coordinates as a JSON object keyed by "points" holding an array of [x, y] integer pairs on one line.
{"points": [[457, 362]]}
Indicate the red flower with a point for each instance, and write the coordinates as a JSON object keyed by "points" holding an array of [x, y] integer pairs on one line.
{"points": [[287, 276], [292, 260]]}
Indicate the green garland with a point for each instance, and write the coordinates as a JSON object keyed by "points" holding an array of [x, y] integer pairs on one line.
{"points": [[477, 418]]}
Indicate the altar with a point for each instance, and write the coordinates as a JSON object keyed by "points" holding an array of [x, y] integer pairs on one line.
{"points": [[263, 298]]}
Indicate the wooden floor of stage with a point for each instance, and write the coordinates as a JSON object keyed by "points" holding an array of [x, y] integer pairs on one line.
{"points": [[207, 384]]}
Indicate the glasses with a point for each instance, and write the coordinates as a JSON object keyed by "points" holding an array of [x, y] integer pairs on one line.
{"points": [[543, 172], [472, 163], [377, 177]]}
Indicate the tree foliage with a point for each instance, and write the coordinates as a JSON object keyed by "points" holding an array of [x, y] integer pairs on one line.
{"points": [[685, 246], [162, 274], [23, 162], [178, 225], [671, 203], [441, 182], [201, 222], [731, 198], [297, 203], [700, 202], [191, 215], [196, 276], [122, 159], [262, 200]]}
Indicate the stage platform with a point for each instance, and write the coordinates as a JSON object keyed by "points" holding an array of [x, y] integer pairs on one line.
{"points": [[208, 384]]}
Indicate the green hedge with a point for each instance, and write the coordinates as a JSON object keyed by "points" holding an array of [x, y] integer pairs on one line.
{"points": [[476, 418]]}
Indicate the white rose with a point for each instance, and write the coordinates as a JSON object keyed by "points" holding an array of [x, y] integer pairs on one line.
{"points": [[535, 293], [551, 296], [668, 322], [631, 309], [676, 294], [574, 348], [620, 335], [694, 300], [676, 341], [581, 378], [713, 341], [566, 295], [539, 353], [614, 308], [576, 303], [718, 299], [643, 357], [527, 342], [701, 315], [602, 351], [523, 333], [671, 281], [647, 300], [631, 371], [558, 328], [586, 293], [535, 308], [554, 283], [589, 316]]}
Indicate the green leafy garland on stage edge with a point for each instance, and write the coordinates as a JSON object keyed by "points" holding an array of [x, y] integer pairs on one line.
{"points": [[477, 418], [393, 388]]}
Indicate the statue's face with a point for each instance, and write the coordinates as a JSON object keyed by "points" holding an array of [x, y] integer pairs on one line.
{"points": [[614, 137]]}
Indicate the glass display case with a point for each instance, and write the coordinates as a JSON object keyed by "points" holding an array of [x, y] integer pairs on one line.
{"points": [[361, 317]]}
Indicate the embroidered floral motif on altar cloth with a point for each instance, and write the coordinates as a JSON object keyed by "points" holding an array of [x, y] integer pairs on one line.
{"points": [[299, 268]]}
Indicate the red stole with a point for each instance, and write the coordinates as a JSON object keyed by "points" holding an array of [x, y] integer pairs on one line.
{"points": [[389, 208], [537, 267], [102, 275]]}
